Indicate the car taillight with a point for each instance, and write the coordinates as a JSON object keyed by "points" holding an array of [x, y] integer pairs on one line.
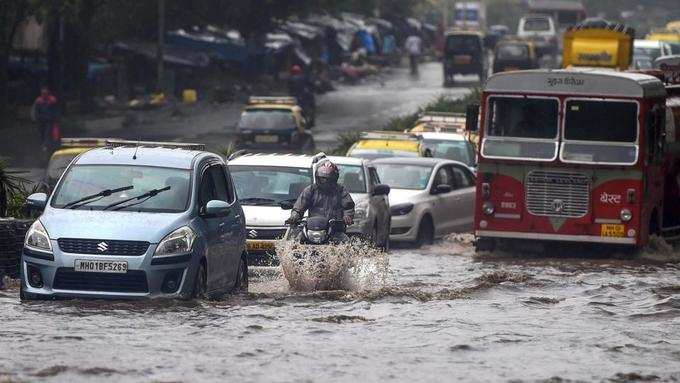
{"points": [[630, 195]]}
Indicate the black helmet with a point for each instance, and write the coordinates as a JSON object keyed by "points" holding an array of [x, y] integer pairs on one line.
{"points": [[327, 174]]}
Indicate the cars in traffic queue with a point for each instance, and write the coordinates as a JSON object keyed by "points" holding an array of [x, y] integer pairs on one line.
{"points": [[136, 219], [464, 54], [541, 31], [652, 48], [69, 148], [670, 68], [373, 145], [267, 186], [429, 197], [443, 135], [581, 155], [371, 198], [273, 124], [598, 43], [512, 55]]}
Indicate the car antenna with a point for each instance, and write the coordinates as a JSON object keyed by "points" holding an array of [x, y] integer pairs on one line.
{"points": [[134, 155]]}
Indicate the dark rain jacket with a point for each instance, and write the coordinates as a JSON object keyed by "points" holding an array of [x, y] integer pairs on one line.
{"points": [[334, 203]]}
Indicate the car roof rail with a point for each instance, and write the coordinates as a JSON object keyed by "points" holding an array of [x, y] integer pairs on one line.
{"points": [[237, 154], [318, 157], [83, 142], [281, 100], [153, 144]]}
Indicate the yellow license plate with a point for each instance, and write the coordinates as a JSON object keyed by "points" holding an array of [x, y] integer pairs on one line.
{"points": [[259, 245], [462, 59], [612, 230], [266, 138]]}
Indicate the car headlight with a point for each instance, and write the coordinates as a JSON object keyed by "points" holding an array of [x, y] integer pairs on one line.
{"points": [[401, 209], [626, 215], [488, 208], [316, 236], [37, 238], [178, 242]]}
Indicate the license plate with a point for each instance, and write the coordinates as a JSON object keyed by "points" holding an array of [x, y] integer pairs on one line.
{"points": [[266, 138], [93, 266], [612, 230], [462, 59], [259, 245]]}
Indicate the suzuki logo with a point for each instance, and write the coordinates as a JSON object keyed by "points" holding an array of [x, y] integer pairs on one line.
{"points": [[252, 234], [558, 205], [102, 246]]}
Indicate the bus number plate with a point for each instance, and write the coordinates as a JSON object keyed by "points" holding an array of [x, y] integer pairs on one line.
{"points": [[612, 230]]}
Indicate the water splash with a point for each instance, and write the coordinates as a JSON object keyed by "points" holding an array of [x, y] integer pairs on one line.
{"points": [[354, 265]]}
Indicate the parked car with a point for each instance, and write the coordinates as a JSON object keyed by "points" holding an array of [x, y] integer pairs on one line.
{"points": [[69, 149], [137, 220], [274, 124], [464, 53], [373, 145], [539, 29], [372, 210], [652, 48], [429, 197], [268, 185], [514, 55]]}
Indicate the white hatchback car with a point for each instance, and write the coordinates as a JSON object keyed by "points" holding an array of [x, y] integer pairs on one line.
{"points": [[429, 197], [267, 186]]}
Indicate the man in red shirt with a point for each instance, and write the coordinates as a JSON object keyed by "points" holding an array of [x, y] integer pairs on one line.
{"points": [[45, 109]]}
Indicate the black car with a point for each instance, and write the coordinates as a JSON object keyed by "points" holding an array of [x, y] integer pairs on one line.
{"points": [[464, 54]]}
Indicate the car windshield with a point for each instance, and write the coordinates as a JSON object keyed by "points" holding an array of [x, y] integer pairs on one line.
{"points": [[371, 154], [352, 178], [269, 185], [652, 52], [85, 180], [460, 150], [58, 164], [598, 131], [536, 25], [401, 176], [675, 48], [462, 43], [512, 52], [521, 128], [267, 119]]}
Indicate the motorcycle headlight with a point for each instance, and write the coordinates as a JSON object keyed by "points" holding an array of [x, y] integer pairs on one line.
{"points": [[37, 238], [316, 236], [178, 242]]}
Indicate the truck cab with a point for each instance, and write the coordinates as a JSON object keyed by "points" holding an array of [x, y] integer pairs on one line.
{"points": [[580, 155]]}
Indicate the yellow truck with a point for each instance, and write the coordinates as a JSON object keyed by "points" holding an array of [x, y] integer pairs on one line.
{"points": [[600, 44]]}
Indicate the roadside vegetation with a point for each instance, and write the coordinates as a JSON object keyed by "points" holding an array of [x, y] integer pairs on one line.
{"points": [[441, 103], [13, 191]]}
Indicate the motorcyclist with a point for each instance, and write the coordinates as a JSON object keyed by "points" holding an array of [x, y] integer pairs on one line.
{"points": [[300, 87], [325, 198]]}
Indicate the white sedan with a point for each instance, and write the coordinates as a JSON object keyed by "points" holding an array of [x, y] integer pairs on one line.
{"points": [[429, 197]]}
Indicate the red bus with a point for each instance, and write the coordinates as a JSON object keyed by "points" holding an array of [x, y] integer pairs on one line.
{"points": [[579, 155]]}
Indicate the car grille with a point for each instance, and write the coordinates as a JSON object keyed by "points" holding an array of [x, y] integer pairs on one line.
{"points": [[255, 233], [102, 246], [134, 281], [557, 194]]}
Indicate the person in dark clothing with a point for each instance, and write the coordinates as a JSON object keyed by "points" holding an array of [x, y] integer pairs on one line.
{"points": [[45, 113], [302, 88], [326, 198]]}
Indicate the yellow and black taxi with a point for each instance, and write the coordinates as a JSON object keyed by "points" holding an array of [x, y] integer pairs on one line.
{"points": [[274, 124], [69, 148], [378, 144]]}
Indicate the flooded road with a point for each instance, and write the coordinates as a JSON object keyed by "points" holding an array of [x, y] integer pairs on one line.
{"points": [[442, 314]]}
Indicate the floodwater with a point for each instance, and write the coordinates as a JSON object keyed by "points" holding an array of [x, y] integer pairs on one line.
{"points": [[440, 314]]}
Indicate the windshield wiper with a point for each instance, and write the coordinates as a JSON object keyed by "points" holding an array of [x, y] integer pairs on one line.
{"points": [[142, 198], [90, 198], [256, 201]]}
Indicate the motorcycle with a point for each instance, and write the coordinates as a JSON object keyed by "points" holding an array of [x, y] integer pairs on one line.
{"points": [[312, 259]]}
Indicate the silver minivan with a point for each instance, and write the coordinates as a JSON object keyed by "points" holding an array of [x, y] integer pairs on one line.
{"points": [[137, 220]]}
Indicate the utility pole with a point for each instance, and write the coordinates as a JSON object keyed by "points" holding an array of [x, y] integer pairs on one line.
{"points": [[445, 14], [161, 46]]}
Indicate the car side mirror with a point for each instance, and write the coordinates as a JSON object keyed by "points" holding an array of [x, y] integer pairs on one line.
{"points": [[381, 189], [216, 208], [36, 201], [443, 189], [472, 117]]}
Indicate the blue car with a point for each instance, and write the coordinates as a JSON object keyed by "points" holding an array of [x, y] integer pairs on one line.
{"points": [[137, 220]]}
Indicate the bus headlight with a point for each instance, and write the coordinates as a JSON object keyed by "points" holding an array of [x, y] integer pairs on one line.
{"points": [[487, 208], [626, 215]]}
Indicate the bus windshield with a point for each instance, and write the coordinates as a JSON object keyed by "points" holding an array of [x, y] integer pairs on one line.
{"points": [[597, 131], [521, 128]]}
